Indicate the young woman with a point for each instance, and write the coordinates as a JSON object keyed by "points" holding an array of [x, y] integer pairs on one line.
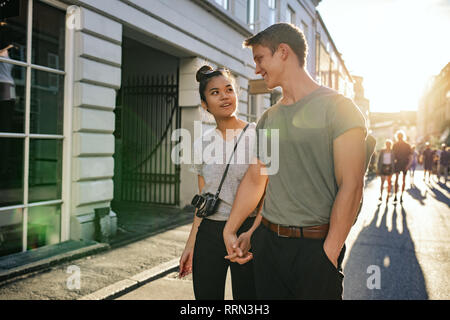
{"points": [[204, 253], [386, 167]]}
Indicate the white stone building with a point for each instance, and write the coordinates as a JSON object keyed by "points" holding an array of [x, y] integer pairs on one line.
{"points": [[100, 85]]}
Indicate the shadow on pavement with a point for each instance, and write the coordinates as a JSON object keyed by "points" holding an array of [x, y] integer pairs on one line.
{"points": [[136, 221], [416, 193], [384, 245], [438, 194]]}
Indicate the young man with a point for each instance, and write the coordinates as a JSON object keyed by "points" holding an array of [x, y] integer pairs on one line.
{"points": [[402, 157], [311, 202], [427, 155]]}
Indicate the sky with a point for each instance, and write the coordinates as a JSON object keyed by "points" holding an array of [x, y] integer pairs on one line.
{"points": [[395, 45]]}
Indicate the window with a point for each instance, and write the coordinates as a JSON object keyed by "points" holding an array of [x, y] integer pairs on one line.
{"points": [[305, 30], [251, 13], [317, 48], [223, 3], [252, 108], [248, 111], [31, 126], [324, 66], [272, 11], [290, 15], [53, 62]]}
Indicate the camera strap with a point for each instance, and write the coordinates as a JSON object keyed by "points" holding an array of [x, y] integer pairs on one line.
{"points": [[228, 164]]}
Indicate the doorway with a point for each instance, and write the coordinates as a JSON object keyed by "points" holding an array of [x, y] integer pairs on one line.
{"points": [[147, 113]]}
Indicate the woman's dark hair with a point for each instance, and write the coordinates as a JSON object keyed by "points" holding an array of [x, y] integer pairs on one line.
{"points": [[206, 73]]}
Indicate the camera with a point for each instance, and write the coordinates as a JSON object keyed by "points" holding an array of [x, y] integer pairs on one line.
{"points": [[206, 204]]}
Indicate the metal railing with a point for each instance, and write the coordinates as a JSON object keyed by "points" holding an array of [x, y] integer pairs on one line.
{"points": [[147, 114]]}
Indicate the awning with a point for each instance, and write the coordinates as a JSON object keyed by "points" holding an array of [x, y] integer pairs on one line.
{"points": [[257, 87]]}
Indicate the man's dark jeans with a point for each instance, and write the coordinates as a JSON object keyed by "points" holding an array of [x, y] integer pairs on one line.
{"points": [[293, 268]]}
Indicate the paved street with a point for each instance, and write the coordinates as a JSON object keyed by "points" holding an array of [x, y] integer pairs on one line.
{"points": [[408, 243], [394, 251]]}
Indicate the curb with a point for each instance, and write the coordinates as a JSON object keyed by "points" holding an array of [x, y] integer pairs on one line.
{"points": [[129, 284], [27, 269]]}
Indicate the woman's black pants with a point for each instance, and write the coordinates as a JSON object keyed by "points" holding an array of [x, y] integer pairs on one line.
{"points": [[209, 266]]}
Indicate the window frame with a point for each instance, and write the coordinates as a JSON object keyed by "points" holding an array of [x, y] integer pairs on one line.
{"points": [[251, 14], [65, 137], [291, 12], [224, 4], [274, 11]]}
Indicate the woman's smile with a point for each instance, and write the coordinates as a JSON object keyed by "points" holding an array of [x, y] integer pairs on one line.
{"points": [[226, 105]]}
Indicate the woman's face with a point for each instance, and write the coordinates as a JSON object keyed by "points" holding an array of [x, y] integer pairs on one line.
{"points": [[388, 145], [220, 97]]}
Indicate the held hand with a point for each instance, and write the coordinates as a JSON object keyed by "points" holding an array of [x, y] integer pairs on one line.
{"points": [[230, 239], [242, 245], [244, 259], [186, 262], [241, 249]]}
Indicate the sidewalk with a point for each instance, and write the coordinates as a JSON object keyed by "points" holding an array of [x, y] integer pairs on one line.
{"points": [[148, 246]]}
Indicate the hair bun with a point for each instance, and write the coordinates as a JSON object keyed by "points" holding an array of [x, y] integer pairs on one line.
{"points": [[201, 72]]}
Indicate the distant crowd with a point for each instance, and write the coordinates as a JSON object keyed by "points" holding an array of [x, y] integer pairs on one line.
{"points": [[400, 157]]}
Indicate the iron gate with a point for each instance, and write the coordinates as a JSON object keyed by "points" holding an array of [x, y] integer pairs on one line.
{"points": [[148, 114]]}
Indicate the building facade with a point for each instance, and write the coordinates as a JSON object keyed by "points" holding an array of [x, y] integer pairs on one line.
{"points": [[94, 91], [434, 110], [360, 100], [385, 125]]}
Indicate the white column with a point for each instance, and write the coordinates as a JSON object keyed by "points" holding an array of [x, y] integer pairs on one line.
{"points": [[97, 77], [189, 102]]}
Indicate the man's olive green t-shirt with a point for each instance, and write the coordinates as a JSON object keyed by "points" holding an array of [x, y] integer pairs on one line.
{"points": [[303, 190]]}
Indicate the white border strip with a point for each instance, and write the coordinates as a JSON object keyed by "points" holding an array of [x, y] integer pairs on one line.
{"points": [[132, 283], [27, 128]]}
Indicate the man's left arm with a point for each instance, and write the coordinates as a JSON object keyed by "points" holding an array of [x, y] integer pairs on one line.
{"points": [[349, 159]]}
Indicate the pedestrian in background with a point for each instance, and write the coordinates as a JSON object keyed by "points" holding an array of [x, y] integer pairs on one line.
{"points": [[427, 156], [385, 167], [413, 163], [444, 160], [402, 156]]}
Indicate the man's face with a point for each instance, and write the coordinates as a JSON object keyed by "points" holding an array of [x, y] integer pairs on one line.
{"points": [[268, 65]]}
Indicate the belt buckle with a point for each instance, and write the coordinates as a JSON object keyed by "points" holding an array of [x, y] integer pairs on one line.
{"points": [[278, 231]]}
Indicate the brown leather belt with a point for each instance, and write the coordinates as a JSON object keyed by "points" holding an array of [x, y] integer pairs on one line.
{"points": [[315, 232]]}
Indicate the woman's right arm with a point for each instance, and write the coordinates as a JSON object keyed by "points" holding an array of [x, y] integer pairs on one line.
{"points": [[186, 257]]}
